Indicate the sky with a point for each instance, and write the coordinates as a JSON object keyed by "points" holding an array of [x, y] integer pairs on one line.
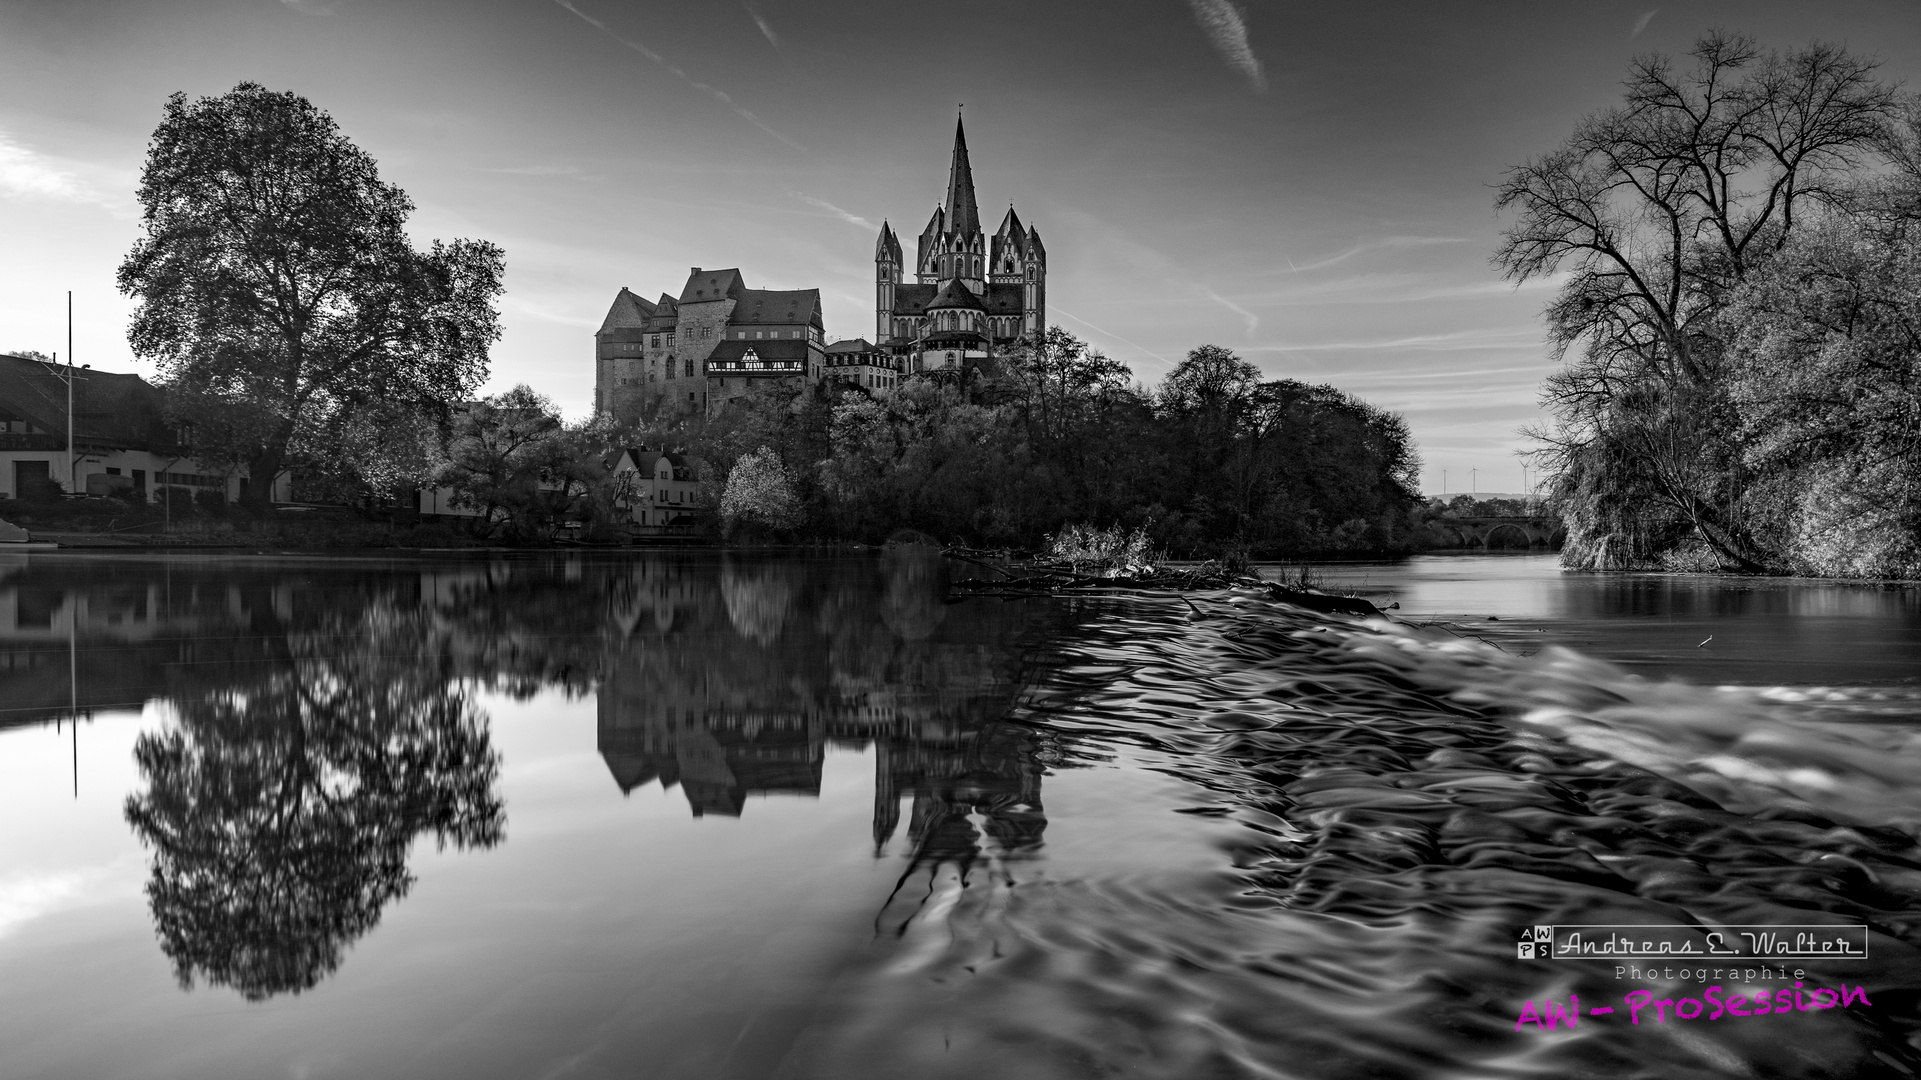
{"points": [[1307, 184]]}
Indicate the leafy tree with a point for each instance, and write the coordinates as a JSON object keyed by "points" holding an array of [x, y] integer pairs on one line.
{"points": [[279, 293], [759, 493], [1825, 373], [1657, 210], [281, 809], [499, 456]]}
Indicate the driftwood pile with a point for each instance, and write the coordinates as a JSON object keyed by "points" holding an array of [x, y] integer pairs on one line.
{"points": [[1045, 579]]}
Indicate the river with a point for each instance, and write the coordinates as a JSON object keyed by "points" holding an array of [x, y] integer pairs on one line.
{"points": [[698, 815]]}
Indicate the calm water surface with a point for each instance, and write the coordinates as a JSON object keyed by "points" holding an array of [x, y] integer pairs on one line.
{"points": [[685, 815]]}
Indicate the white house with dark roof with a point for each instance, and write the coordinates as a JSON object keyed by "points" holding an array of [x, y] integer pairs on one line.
{"points": [[121, 442], [658, 489]]}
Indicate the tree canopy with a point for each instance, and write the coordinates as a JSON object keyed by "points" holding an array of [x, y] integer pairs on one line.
{"points": [[1670, 214], [280, 296]]}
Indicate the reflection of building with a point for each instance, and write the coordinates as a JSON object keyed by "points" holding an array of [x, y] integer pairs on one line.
{"points": [[757, 666]]}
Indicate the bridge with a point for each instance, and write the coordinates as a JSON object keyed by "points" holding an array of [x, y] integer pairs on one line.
{"points": [[1492, 533]]}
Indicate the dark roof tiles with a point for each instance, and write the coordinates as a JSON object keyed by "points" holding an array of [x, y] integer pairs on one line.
{"points": [[708, 285], [955, 295], [767, 307]]}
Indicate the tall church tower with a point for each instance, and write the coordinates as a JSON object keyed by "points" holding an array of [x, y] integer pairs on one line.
{"points": [[953, 245], [887, 267], [970, 295]]}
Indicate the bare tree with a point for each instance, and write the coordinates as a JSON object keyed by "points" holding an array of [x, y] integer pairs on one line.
{"points": [[1656, 210]]}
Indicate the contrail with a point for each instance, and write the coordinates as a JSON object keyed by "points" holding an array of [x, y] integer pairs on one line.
{"points": [[714, 92], [1223, 23], [766, 29], [1111, 334], [850, 218]]}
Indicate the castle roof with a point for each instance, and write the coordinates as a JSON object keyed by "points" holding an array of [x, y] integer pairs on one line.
{"points": [[705, 285], [764, 307], [627, 312], [955, 295], [768, 349], [666, 314], [853, 345]]}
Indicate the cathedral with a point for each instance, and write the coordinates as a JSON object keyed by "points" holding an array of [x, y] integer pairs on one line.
{"points": [[971, 297]]}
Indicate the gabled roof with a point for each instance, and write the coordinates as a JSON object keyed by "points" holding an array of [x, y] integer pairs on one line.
{"points": [[1011, 228], [648, 461], [705, 285], [769, 349], [853, 345], [955, 295], [114, 409], [627, 312], [767, 307]]}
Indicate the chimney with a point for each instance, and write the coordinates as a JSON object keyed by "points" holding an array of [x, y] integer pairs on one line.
{"points": [[695, 270]]}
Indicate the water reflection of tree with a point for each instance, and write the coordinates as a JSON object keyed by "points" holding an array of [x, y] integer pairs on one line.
{"points": [[281, 809]]}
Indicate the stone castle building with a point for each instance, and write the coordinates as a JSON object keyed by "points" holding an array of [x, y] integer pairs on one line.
{"points": [[971, 297]]}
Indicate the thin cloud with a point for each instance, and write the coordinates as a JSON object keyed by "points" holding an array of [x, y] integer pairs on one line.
{"points": [[546, 314], [1382, 244], [766, 28], [1457, 341], [712, 92], [823, 204], [1225, 27], [1641, 23], [541, 170], [1253, 320], [308, 7], [28, 174]]}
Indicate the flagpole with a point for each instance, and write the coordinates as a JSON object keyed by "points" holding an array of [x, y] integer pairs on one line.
{"points": [[72, 489]]}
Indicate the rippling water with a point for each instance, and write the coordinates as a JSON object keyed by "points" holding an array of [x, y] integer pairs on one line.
{"points": [[692, 816]]}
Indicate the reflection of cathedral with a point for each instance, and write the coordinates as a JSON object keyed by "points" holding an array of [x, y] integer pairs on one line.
{"points": [[737, 690]]}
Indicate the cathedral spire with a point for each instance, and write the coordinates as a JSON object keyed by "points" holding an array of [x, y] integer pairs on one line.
{"points": [[963, 216]]}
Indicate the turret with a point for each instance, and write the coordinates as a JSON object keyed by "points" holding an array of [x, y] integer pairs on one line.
{"points": [[1034, 288], [887, 274], [1009, 249]]}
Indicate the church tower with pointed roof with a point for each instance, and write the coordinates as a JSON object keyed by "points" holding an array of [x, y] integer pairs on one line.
{"points": [[971, 296]]}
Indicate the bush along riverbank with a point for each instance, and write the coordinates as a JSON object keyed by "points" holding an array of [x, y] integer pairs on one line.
{"points": [[1082, 559]]}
